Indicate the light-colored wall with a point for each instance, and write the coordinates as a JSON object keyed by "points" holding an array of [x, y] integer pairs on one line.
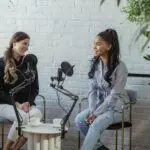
{"points": [[63, 30]]}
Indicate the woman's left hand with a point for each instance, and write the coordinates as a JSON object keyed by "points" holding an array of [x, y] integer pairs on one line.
{"points": [[91, 119], [25, 107]]}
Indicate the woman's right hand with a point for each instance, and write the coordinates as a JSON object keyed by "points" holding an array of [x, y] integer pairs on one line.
{"points": [[91, 118], [25, 107]]}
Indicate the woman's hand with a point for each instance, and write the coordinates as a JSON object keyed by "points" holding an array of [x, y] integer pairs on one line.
{"points": [[25, 107], [91, 118]]}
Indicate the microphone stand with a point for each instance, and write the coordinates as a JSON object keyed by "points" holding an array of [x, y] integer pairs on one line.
{"points": [[73, 97], [12, 93]]}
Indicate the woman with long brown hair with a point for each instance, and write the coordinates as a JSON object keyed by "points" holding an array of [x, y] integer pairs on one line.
{"points": [[12, 73]]}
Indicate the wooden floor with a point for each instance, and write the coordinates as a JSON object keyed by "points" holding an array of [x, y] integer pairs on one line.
{"points": [[141, 129]]}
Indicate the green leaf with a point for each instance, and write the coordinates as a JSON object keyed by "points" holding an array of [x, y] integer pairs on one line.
{"points": [[145, 44], [118, 2], [147, 34], [147, 57], [138, 33], [141, 31], [101, 2]]}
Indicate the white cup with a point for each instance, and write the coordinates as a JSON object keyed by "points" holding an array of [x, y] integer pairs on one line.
{"points": [[57, 122], [34, 121]]}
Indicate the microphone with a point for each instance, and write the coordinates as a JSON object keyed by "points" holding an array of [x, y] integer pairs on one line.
{"points": [[31, 61], [66, 68], [30, 58], [59, 75]]}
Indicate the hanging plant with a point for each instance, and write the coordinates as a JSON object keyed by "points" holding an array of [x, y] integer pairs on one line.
{"points": [[138, 11]]}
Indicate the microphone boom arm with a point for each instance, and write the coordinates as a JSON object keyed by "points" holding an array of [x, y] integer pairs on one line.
{"points": [[66, 117], [12, 92]]}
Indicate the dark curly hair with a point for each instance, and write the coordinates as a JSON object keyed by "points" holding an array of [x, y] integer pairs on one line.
{"points": [[110, 36]]}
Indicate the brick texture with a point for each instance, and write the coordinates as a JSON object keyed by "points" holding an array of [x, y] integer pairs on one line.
{"points": [[63, 30]]}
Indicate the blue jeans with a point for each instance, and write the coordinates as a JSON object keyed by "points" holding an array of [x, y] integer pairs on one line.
{"points": [[93, 132]]}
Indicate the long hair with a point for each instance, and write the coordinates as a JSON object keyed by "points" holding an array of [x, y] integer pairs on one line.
{"points": [[110, 36], [10, 75]]}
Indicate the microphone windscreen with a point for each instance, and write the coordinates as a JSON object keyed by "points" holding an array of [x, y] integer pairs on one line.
{"points": [[67, 68], [31, 58]]}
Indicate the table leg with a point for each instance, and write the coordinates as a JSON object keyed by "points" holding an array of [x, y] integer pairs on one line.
{"points": [[30, 143], [58, 143], [37, 139], [51, 143], [44, 142]]}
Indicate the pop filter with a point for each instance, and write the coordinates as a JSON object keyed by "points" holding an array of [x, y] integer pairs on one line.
{"points": [[67, 68], [30, 58]]}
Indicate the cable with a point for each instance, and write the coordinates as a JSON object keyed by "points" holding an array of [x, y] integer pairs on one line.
{"points": [[58, 100]]}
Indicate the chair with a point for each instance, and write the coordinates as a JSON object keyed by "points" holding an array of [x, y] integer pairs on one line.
{"points": [[121, 125], [4, 121]]}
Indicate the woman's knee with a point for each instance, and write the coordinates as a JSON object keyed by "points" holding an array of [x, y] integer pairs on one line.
{"points": [[82, 116], [78, 119], [78, 122]]}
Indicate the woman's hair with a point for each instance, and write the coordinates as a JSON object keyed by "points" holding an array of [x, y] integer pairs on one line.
{"points": [[10, 75], [110, 36]]}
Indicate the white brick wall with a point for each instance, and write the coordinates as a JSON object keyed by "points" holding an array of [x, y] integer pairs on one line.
{"points": [[63, 30]]}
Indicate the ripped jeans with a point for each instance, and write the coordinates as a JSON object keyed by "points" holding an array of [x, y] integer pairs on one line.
{"points": [[93, 132]]}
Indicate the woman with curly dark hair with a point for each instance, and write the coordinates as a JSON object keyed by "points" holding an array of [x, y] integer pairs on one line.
{"points": [[107, 92]]}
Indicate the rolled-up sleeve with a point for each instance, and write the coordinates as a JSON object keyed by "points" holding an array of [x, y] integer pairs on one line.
{"points": [[117, 89], [92, 95]]}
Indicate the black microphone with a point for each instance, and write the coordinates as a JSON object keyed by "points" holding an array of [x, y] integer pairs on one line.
{"points": [[31, 61], [59, 76], [66, 68]]}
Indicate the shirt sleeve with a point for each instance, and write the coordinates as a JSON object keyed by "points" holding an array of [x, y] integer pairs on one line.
{"points": [[118, 87], [4, 94], [92, 95], [34, 88]]}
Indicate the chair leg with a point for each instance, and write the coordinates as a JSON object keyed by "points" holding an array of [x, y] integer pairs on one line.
{"points": [[130, 138], [79, 142], [122, 129], [116, 139], [2, 136], [79, 136]]}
